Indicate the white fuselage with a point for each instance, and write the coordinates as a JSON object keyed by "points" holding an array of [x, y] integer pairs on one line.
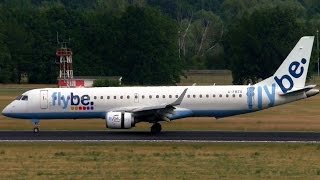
{"points": [[200, 101]]}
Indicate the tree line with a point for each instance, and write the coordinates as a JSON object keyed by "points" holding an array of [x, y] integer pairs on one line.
{"points": [[152, 42]]}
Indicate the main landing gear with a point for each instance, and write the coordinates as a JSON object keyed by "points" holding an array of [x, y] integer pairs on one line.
{"points": [[36, 124], [156, 128]]}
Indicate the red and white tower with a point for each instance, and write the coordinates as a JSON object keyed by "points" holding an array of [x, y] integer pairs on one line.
{"points": [[64, 61]]}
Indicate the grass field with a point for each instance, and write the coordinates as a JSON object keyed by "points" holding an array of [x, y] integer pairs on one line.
{"points": [[303, 115], [159, 161]]}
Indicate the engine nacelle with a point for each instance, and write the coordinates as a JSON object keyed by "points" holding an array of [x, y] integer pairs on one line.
{"points": [[119, 120]]}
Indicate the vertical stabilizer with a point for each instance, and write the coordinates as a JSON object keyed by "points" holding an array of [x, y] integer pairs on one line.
{"points": [[293, 71]]}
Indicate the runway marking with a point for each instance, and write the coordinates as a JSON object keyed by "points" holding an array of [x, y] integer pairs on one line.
{"points": [[152, 141]]}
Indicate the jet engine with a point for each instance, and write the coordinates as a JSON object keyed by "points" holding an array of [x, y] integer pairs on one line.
{"points": [[119, 120]]}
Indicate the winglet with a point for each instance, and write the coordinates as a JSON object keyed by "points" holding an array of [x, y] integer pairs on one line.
{"points": [[179, 100]]}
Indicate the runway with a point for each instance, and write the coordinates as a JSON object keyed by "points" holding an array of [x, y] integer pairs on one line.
{"points": [[165, 136]]}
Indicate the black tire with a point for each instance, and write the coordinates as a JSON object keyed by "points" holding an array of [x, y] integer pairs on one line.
{"points": [[36, 130], [156, 128]]}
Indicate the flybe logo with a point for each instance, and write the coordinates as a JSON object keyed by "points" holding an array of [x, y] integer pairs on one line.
{"points": [[76, 102], [295, 70], [261, 96]]}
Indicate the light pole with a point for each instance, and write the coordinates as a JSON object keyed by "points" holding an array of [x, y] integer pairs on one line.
{"points": [[318, 49]]}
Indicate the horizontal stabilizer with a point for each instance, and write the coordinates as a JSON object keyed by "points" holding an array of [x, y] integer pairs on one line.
{"points": [[304, 89]]}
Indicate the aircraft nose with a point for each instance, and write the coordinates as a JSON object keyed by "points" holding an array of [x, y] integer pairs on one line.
{"points": [[5, 111]]}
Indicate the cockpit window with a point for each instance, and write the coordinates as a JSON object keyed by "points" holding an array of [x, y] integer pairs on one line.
{"points": [[18, 98], [24, 98]]}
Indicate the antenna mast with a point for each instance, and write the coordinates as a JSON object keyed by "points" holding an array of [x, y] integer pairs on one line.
{"points": [[64, 55]]}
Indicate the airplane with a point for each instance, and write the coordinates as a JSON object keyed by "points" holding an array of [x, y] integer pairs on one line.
{"points": [[123, 107]]}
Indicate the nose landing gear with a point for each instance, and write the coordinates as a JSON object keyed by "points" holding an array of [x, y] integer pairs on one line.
{"points": [[36, 124], [36, 130]]}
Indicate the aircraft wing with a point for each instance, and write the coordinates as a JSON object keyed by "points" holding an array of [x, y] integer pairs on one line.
{"points": [[158, 111]]}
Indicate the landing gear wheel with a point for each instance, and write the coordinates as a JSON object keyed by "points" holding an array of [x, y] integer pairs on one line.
{"points": [[36, 130], [35, 123], [156, 128]]}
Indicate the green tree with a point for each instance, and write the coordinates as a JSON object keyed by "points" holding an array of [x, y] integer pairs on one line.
{"points": [[233, 10], [106, 83], [5, 62], [258, 44], [44, 45], [200, 38], [18, 43], [149, 47]]}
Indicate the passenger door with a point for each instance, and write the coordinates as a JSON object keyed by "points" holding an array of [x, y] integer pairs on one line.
{"points": [[44, 99]]}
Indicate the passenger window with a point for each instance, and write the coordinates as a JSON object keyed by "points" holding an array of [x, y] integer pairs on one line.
{"points": [[220, 95], [101, 97], [128, 97], [227, 95], [207, 96], [24, 98], [142, 97], [177, 96], [163, 96], [94, 97], [188, 96], [150, 96], [200, 95], [194, 96], [240, 95], [114, 97], [214, 95], [18, 98], [108, 97], [157, 96], [170, 96], [233, 95], [121, 97]]}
